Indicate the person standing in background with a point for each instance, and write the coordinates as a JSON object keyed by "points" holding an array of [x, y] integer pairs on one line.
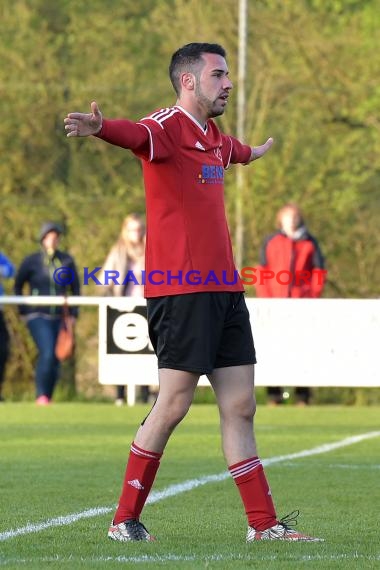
{"points": [[292, 248], [6, 271], [127, 254], [40, 271]]}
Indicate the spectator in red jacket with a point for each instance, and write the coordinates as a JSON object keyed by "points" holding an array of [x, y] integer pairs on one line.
{"points": [[294, 258]]}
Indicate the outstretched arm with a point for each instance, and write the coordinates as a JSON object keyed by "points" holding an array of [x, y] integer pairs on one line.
{"points": [[120, 132], [236, 152], [259, 151], [84, 124]]}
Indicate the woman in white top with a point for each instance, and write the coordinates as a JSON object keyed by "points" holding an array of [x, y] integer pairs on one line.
{"points": [[127, 255]]}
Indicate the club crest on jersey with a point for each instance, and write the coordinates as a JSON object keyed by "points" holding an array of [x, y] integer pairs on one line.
{"points": [[211, 174], [218, 154]]}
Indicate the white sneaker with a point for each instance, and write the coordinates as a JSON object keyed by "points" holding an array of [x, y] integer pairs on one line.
{"points": [[131, 530], [281, 531]]}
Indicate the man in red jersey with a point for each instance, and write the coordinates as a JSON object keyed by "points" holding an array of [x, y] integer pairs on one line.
{"points": [[198, 320]]}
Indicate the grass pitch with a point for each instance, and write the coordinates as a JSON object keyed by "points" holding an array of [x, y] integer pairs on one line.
{"points": [[67, 461]]}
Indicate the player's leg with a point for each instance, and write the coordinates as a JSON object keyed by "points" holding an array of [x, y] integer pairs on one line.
{"points": [[234, 387], [233, 382], [173, 401], [176, 391], [234, 390], [185, 340]]}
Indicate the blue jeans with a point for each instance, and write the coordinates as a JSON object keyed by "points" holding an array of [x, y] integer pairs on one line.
{"points": [[4, 347], [44, 333]]}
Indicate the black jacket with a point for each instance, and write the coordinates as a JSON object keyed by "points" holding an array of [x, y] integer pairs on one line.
{"points": [[44, 277]]}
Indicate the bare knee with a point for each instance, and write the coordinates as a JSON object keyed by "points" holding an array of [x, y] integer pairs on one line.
{"points": [[246, 409], [242, 408], [171, 411], [178, 410]]}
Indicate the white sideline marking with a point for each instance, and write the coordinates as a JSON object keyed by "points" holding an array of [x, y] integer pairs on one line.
{"points": [[361, 466], [156, 558], [179, 488]]}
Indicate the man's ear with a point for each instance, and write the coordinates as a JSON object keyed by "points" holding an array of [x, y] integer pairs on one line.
{"points": [[188, 81]]}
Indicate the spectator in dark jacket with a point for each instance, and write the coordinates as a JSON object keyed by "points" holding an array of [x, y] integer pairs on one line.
{"points": [[6, 270], [41, 272], [293, 255]]}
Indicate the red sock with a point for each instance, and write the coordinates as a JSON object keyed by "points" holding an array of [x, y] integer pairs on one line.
{"points": [[139, 476], [254, 490]]}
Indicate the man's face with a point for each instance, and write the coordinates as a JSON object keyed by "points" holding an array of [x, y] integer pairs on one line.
{"points": [[212, 85], [50, 241], [289, 222]]}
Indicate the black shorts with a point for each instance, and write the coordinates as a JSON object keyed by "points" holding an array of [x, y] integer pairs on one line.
{"points": [[198, 332]]}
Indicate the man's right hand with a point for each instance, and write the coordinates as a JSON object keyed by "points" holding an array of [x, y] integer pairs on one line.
{"points": [[84, 124]]}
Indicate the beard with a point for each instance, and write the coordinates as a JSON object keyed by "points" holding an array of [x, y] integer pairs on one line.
{"points": [[212, 108]]}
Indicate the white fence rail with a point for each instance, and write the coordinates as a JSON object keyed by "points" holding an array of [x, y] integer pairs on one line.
{"points": [[299, 342]]}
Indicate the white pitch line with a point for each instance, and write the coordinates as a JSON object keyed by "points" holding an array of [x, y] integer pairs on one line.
{"points": [[361, 466], [179, 488], [157, 558]]}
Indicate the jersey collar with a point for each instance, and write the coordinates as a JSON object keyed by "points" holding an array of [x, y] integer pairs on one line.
{"points": [[204, 130]]}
